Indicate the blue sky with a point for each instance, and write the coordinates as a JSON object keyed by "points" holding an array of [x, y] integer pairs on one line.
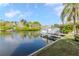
{"points": [[45, 13]]}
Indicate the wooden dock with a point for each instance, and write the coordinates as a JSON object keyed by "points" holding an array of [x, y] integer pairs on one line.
{"points": [[52, 36]]}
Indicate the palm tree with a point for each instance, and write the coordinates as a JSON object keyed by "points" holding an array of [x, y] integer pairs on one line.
{"points": [[23, 21], [71, 13]]}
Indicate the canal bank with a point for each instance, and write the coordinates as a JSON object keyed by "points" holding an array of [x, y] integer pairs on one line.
{"points": [[59, 48], [45, 47]]}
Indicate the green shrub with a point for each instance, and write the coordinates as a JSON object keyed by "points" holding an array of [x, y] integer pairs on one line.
{"points": [[66, 28], [5, 28], [78, 25], [25, 28], [77, 37]]}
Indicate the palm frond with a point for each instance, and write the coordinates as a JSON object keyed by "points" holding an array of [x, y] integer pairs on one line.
{"points": [[65, 11]]}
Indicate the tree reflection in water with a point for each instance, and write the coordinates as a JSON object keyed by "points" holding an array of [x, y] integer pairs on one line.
{"points": [[22, 35]]}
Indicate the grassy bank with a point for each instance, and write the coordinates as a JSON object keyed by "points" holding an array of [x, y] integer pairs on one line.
{"points": [[16, 28], [60, 48], [67, 46], [26, 29]]}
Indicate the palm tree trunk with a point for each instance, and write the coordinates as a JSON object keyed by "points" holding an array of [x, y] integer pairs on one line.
{"points": [[74, 27], [63, 24], [74, 21]]}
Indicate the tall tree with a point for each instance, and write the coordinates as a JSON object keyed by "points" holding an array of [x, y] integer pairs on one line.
{"points": [[71, 13], [23, 21]]}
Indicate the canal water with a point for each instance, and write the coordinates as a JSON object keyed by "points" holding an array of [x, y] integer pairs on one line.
{"points": [[21, 43]]}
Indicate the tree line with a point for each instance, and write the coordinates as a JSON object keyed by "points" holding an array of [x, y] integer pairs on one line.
{"points": [[20, 25]]}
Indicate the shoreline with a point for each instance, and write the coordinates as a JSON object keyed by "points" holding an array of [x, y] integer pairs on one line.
{"points": [[38, 51]]}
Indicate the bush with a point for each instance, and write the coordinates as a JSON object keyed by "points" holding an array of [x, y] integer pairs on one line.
{"points": [[5, 28], [77, 37], [66, 28], [78, 25], [25, 28]]}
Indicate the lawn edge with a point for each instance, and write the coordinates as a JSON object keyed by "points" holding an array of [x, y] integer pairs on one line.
{"points": [[35, 53]]}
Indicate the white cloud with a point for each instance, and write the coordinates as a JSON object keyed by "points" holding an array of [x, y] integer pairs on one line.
{"points": [[12, 13], [21, 16], [58, 9], [49, 4], [17, 13], [4, 4], [25, 14]]}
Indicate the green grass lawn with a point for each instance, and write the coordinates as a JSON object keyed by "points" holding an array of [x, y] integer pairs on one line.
{"points": [[60, 48], [26, 29], [19, 28], [4, 28]]}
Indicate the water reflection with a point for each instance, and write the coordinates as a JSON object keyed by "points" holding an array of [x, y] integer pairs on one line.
{"points": [[21, 43]]}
